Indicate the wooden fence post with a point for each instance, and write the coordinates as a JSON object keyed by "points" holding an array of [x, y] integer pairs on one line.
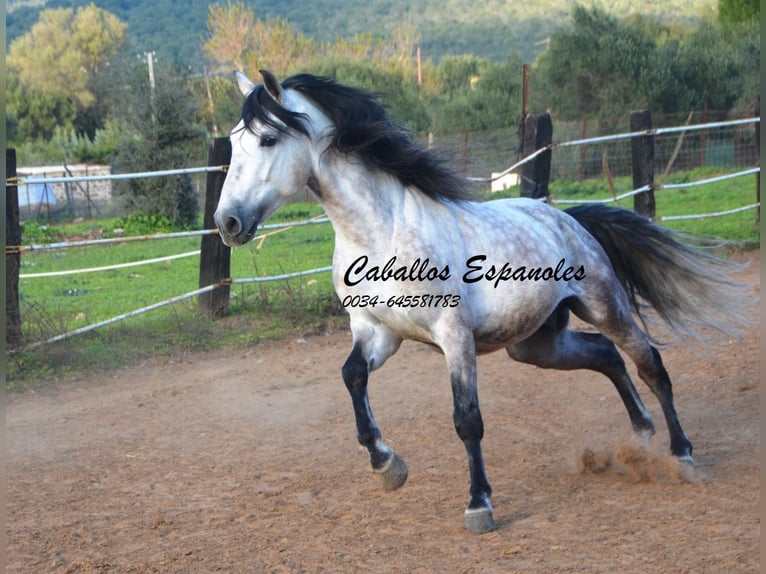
{"points": [[758, 162], [12, 260], [642, 154], [535, 175], [215, 257]]}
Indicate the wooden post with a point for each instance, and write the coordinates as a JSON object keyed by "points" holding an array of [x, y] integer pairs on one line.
{"points": [[524, 90], [642, 154], [12, 260], [420, 68], [215, 257], [703, 136], [581, 151], [464, 156], [524, 107], [758, 162], [535, 175]]}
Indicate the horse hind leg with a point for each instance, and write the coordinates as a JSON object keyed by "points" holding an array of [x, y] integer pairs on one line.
{"points": [[618, 325], [653, 373], [554, 346]]}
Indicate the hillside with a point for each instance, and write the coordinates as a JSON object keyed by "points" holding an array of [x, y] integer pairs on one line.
{"points": [[487, 28]]}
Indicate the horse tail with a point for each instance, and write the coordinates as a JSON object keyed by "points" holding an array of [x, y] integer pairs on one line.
{"points": [[689, 287]]}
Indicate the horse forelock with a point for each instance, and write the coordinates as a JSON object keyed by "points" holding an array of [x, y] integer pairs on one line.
{"points": [[363, 128]]}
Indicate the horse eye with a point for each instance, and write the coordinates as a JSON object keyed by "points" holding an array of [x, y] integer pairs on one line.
{"points": [[268, 141]]}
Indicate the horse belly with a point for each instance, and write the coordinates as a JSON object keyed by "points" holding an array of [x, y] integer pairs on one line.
{"points": [[500, 321]]}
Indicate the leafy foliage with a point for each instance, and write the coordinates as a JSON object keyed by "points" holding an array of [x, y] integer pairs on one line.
{"points": [[65, 49], [737, 11], [491, 29], [34, 114], [594, 66], [602, 66], [144, 224], [598, 64], [159, 132], [238, 40]]}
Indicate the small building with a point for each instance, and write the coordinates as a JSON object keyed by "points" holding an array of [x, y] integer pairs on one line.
{"points": [[505, 182], [38, 199]]}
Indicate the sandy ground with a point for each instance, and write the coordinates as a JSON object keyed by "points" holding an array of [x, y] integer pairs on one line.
{"points": [[246, 461]]}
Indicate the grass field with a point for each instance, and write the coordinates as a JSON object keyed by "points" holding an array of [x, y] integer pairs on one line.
{"points": [[54, 305]]}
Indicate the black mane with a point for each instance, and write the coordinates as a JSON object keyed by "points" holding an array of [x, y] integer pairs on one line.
{"points": [[362, 128]]}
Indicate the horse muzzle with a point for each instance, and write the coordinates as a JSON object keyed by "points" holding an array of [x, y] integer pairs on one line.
{"points": [[234, 229]]}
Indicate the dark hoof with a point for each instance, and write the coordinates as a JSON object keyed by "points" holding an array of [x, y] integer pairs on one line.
{"points": [[394, 474], [683, 452], [479, 520]]}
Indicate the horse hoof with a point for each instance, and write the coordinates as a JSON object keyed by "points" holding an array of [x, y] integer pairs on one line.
{"points": [[479, 520], [394, 474], [686, 459]]}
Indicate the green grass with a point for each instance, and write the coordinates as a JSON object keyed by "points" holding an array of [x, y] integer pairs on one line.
{"points": [[54, 305], [51, 306], [91, 297]]}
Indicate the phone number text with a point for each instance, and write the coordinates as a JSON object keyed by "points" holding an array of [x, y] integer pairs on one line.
{"points": [[402, 301]]}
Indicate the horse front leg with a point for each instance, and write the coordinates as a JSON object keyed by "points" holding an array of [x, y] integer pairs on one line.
{"points": [[384, 461], [470, 429]]}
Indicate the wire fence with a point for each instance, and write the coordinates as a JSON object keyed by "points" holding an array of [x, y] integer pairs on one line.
{"points": [[589, 150], [76, 285], [672, 141]]}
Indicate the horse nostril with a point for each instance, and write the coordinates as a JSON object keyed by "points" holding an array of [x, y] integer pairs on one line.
{"points": [[232, 226]]}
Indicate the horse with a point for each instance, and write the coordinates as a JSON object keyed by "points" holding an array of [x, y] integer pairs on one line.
{"points": [[419, 257]]}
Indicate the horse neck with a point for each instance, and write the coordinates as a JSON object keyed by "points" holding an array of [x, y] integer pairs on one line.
{"points": [[361, 203]]}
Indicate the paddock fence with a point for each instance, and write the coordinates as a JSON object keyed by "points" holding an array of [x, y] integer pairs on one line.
{"points": [[214, 271]]}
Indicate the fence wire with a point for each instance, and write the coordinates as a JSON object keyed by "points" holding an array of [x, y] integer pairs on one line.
{"points": [[677, 148]]}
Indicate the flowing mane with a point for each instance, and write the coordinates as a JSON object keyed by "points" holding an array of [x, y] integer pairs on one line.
{"points": [[363, 129]]}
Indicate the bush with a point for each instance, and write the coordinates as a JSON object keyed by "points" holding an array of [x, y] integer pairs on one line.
{"points": [[144, 224]]}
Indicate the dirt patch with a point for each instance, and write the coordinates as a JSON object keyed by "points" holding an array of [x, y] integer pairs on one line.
{"points": [[246, 461]]}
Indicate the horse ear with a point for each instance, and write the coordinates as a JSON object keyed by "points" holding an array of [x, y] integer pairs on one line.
{"points": [[245, 85], [272, 85]]}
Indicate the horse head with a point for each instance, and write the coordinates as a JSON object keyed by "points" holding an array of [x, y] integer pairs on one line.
{"points": [[272, 157]]}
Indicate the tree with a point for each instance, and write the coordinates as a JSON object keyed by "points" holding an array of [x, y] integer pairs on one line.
{"points": [[474, 94], [60, 59], [64, 51], [237, 39], [737, 11], [707, 67], [229, 27], [595, 66], [159, 131], [32, 114]]}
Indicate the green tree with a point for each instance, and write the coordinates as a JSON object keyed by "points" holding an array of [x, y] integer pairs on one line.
{"points": [[707, 67], [160, 131], [61, 57], [596, 66], [471, 93], [57, 66], [746, 43], [736, 11], [33, 114]]}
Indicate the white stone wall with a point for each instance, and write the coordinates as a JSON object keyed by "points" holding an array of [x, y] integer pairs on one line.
{"points": [[100, 192]]}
